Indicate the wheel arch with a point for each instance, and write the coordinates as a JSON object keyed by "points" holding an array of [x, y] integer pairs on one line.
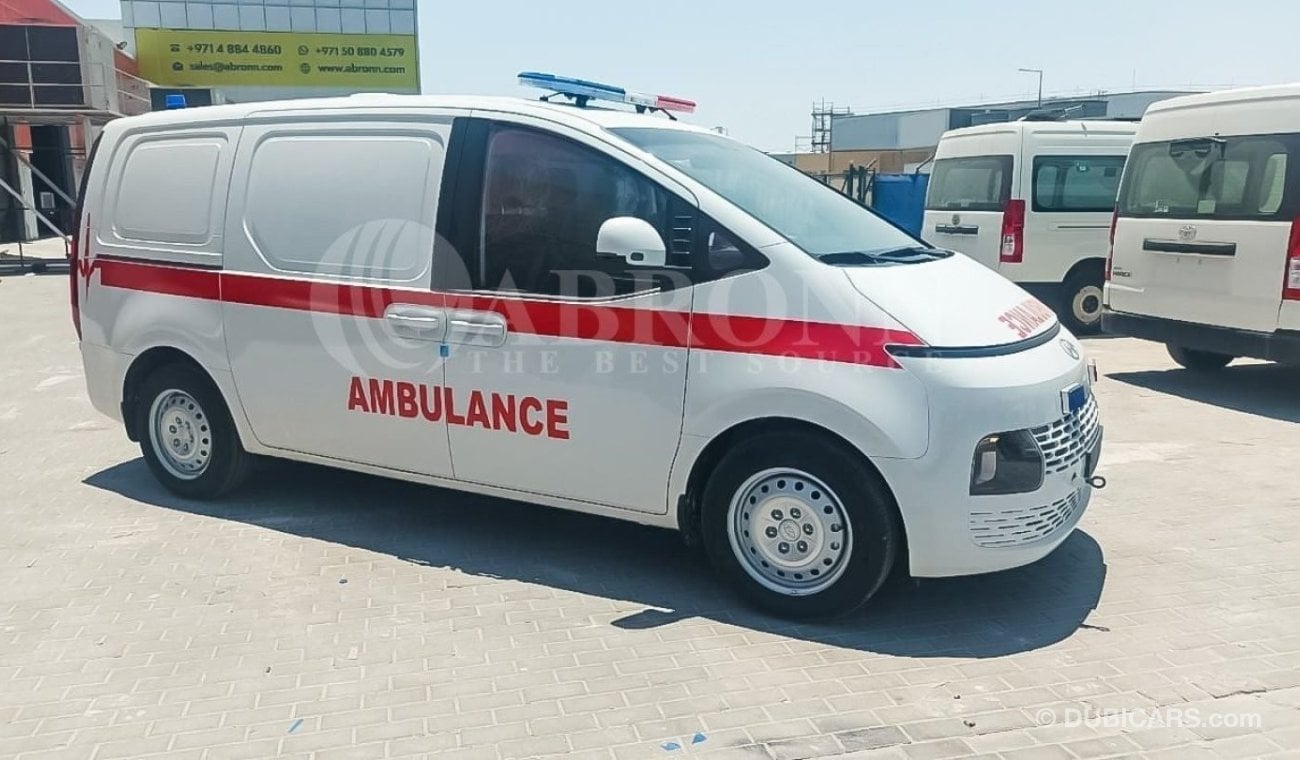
{"points": [[689, 502], [1083, 265], [145, 364]]}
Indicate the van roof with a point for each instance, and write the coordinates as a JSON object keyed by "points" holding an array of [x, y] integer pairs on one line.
{"points": [[1068, 126], [1228, 97], [585, 119]]}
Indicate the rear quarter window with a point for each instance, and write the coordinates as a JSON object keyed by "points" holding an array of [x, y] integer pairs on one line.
{"points": [[975, 183], [1076, 183], [1252, 177]]}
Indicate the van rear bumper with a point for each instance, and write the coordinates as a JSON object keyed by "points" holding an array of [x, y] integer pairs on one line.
{"points": [[1279, 346]]}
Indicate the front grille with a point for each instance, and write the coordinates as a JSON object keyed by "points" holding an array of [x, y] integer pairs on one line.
{"points": [[1065, 441], [1012, 527]]}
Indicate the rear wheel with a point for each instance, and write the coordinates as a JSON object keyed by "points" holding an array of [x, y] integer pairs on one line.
{"points": [[1196, 359], [1081, 297], [800, 526], [189, 440]]}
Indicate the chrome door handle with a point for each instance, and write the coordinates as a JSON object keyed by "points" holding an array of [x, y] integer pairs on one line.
{"points": [[477, 329], [415, 321]]}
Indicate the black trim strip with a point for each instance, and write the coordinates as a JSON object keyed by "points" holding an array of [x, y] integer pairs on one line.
{"points": [[964, 229], [159, 262], [975, 352], [1177, 246]]}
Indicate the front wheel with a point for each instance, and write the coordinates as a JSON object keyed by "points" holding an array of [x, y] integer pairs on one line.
{"points": [[188, 438], [799, 525], [1195, 359]]}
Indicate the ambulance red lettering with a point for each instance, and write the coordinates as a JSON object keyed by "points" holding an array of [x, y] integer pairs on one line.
{"points": [[490, 411], [1026, 317], [477, 411], [431, 413], [531, 427], [503, 412], [357, 396], [381, 396], [406, 401], [557, 414]]}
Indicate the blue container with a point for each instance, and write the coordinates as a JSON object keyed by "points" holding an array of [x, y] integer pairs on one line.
{"points": [[900, 198]]}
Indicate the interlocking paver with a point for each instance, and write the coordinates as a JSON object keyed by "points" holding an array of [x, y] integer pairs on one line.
{"points": [[134, 623]]}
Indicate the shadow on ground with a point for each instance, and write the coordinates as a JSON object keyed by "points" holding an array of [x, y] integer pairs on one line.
{"points": [[1267, 390], [983, 616]]}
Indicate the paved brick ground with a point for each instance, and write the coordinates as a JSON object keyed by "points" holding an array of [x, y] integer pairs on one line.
{"points": [[329, 615]]}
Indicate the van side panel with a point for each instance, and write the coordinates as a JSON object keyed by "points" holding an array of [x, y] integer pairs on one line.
{"points": [[184, 172]]}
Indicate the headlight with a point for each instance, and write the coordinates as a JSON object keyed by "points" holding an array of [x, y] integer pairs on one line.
{"points": [[1006, 463]]}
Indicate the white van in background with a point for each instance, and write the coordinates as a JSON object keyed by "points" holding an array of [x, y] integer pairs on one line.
{"points": [[1032, 200], [1206, 255]]}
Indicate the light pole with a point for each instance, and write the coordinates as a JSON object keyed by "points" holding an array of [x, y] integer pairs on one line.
{"points": [[1039, 72]]}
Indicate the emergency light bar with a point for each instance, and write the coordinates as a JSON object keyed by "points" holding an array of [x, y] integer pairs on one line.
{"points": [[582, 91]]}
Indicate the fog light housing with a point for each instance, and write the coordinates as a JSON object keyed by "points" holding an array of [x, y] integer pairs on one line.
{"points": [[1006, 463]]}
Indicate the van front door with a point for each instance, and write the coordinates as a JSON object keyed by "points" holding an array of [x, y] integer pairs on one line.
{"points": [[333, 334], [567, 370]]}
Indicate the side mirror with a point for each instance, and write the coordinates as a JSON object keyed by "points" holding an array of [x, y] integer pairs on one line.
{"points": [[633, 240]]}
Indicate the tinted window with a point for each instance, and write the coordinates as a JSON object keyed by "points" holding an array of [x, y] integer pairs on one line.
{"points": [[978, 183], [1252, 177], [806, 212], [544, 201], [1076, 183]]}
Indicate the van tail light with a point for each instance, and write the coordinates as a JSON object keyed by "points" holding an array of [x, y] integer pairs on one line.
{"points": [[1013, 233], [74, 273], [1110, 252], [1291, 277]]}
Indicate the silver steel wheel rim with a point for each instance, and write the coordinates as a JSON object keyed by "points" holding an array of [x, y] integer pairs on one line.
{"points": [[1086, 295], [180, 433], [790, 532]]}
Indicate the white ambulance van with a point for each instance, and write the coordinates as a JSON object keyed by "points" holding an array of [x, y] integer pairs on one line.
{"points": [[1033, 200], [594, 309], [1207, 233]]}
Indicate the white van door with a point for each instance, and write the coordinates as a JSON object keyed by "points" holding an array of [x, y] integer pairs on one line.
{"points": [[1203, 229], [568, 368], [332, 331], [965, 205]]}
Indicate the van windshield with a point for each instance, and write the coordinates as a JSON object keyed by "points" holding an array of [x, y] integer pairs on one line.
{"points": [[818, 219], [1255, 177]]}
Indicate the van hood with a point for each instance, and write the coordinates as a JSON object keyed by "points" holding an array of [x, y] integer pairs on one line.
{"points": [[954, 302]]}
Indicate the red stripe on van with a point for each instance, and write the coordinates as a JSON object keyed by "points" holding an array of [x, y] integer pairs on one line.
{"points": [[851, 344], [158, 278]]}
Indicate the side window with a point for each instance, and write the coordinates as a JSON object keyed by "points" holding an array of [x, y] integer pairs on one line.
{"points": [[166, 190], [544, 201], [349, 203], [1076, 183]]}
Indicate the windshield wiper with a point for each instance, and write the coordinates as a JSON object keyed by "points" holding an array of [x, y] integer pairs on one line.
{"points": [[905, 255]]}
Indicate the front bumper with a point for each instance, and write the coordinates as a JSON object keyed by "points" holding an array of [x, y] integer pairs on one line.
{"points": [[1279, 346], [950, 532]]}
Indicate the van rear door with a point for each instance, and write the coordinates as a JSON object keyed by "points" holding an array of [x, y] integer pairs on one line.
{"points": [[965, 204], [1203, 227]]}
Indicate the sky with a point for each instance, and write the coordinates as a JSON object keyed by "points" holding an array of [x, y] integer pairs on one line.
{"points": [[757, 68]]}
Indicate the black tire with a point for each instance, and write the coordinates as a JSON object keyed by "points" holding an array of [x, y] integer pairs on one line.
{"points": [[1081, 300], [875, 535], [214, 433], [1197, 360]]}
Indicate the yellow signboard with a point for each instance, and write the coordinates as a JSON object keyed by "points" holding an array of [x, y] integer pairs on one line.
{"points": [[208, 58]]}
